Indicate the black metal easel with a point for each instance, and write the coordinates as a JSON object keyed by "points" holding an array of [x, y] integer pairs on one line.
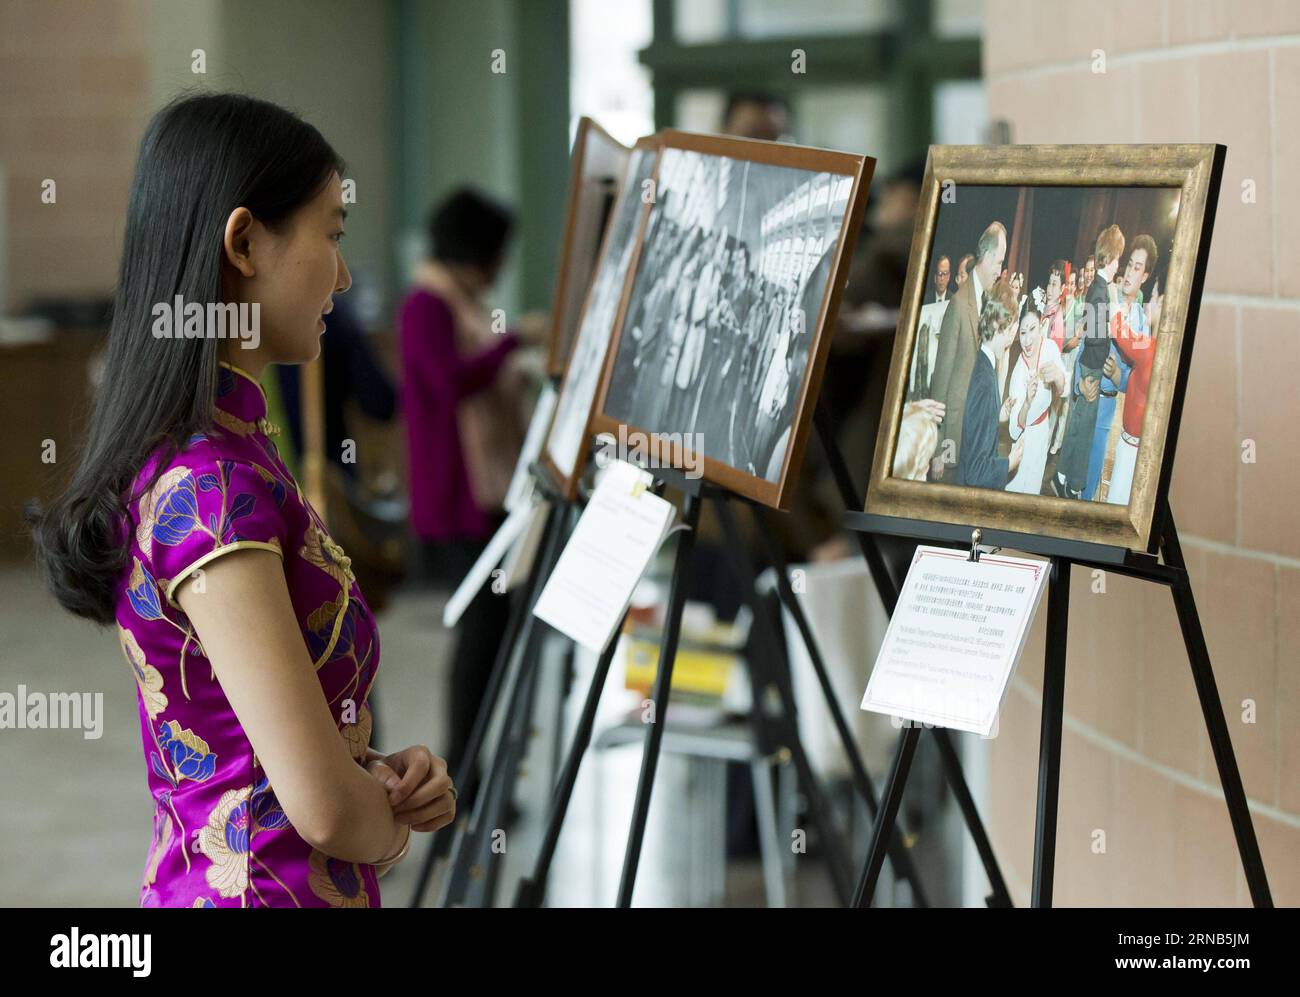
{"points": [[764, 673], [471, 848], [887, 588], [1062, 554], [519, 629], [472, 845]]}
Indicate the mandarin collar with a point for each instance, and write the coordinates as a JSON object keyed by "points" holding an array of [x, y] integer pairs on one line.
{"points": [[241, 396]]}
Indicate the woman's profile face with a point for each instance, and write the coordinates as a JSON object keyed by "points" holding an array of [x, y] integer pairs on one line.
{"points": [[296, 271]]}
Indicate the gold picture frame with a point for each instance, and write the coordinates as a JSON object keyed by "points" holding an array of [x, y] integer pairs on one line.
{"points": [[1196, 171]]}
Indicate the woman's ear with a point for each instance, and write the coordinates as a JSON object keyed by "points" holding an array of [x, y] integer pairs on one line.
{"points": [[237, 242]]}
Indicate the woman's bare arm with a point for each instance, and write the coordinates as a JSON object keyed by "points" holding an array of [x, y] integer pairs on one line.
{"points": [[245, 621]]}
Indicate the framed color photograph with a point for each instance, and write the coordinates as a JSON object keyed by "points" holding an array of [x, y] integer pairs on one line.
{"points": [[1043, 395], [719, 350], [565, 451], [598, 164]]}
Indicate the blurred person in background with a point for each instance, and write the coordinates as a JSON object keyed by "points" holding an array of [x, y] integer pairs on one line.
{"points": [[464, 405], [757, 115], [352, 375], [855, 392]]}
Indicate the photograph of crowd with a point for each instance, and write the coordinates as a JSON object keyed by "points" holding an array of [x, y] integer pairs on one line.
{"points": [[1036, 339], [724, 310], [564, 443]]}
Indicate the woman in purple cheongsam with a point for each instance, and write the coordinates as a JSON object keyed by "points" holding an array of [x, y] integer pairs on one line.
{"points": [[252, 647]]}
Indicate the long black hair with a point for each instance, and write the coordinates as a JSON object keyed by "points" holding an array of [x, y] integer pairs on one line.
{"points": [[201, 157]]}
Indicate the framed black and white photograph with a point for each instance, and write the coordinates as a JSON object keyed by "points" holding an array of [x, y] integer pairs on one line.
{"points": [[720, 348], [565, 453], [595, 174]]}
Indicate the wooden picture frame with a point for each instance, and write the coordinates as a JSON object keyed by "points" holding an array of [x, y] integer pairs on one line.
{"points": [[1194, 172], [843, 179], [597, 166], [566, 447]]}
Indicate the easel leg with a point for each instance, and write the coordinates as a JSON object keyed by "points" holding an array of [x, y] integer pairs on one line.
{"points": [[659, 701], [481, 891], [852, 499], [521, 612], [1215, 724], [524, 649], [564, 685], [948, 758], [898, 853], [769, 838], [883, 827], [1049, 738], [470, 838], [769, 668], [888, 592], [532, 889], [999, 897]]}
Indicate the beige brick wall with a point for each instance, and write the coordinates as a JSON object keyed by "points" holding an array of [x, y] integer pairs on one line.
{"points": [[1136, 762], [75, 79], [80, 80]]}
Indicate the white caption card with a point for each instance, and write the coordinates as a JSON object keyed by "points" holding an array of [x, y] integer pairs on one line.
{"points": [[616, 536], [526, 513], [521, 482], [955, 638], [511, 530], [519, 560]]}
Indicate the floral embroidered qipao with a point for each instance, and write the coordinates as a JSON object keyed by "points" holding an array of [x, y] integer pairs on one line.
{"points": [[220, 836]]}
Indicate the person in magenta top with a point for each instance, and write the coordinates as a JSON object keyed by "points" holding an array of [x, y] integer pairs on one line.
{"points": [[438, 375], [253, 649], [464, 404]]}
